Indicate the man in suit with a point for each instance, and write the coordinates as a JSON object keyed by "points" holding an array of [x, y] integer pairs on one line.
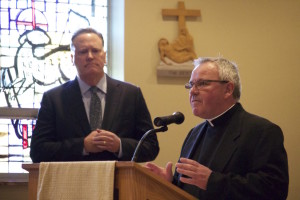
{"points": [[233, 154], [67, 127]]}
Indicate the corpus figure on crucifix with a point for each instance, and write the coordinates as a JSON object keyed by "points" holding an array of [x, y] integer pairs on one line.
{"points": [[182, 48]]}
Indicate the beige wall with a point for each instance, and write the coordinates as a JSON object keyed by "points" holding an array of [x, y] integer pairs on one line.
{"points": [[262, 37]]}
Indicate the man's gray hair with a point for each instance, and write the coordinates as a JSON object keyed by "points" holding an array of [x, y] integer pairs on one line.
{"points": [[228, 71], [82, 31]]}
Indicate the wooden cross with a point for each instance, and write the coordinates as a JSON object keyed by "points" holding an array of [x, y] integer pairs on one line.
{"points": [[181, 13]]}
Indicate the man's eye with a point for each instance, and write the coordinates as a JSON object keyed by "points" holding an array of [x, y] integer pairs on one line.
{"points": [[202, 83], [96, 50], [82, 52]]}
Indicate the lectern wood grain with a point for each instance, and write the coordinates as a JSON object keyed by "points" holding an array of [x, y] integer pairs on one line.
{"points": [[132, 181]]}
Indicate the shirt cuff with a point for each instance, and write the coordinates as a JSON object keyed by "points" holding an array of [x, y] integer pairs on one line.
{"points": [[84, 152], [120, 151]]}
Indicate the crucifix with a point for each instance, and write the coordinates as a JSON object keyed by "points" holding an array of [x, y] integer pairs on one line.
{"points": [[181, 13], [181, 50], [177, 56]]}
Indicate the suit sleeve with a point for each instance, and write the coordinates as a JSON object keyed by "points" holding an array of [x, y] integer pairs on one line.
{"points": [[47, 144], [142, 123]]}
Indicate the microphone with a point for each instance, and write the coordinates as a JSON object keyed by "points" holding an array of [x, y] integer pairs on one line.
{"points": [[176, 117], [136, 151]]}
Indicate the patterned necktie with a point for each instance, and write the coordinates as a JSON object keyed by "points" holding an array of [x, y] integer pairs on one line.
{"points": [[95, 109]]}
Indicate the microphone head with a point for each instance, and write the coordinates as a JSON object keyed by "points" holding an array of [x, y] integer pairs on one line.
{"points": [[176, 117], [179, 116]]}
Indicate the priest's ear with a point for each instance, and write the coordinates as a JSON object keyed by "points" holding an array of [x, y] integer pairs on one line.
{"points": [[229, 88]]}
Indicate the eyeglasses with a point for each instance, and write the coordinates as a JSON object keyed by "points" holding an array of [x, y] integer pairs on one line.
{"points": [[202, 83]]}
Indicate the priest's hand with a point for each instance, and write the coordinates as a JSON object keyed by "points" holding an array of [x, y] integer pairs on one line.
{"points": [[195, 173], [166, 173]]}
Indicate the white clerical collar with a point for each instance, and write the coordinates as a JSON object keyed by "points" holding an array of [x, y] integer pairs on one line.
{"points": [[210, 120]]}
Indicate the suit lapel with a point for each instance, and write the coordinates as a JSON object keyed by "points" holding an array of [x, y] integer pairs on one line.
{"points": [[225, 151], [191, 143], [228, 144], [73, 102], [111, 103]]}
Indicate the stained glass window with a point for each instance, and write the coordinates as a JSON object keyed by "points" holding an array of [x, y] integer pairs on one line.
{"points": [[34, 57]]}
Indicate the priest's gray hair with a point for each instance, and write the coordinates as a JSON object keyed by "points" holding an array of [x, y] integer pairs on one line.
{"points": [[228, 71]]}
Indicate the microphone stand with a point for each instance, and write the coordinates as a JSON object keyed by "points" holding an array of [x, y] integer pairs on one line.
{"points": [[161, 129]]}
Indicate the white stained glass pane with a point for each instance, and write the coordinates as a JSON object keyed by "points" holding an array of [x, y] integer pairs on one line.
{"points": [[3, 165], [21, 4], [3, 148], [13, 43], [4, 124], [39, 5], [50, 7], [4, 32], [4, 16], [63, 8], [2, 96], [51, 20], [74, 2], [10, 51], [101, 12], [4, 3], [3, 139], [101, 3], [15, 167], [13, 140], [61, 21], [6, 61], [63, 1]]}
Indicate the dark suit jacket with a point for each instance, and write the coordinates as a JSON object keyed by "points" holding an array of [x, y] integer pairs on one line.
{"points": [[250, 163], [62, 124]]}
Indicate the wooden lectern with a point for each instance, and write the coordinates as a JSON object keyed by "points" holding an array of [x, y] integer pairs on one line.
{"points": [[132, 181]]}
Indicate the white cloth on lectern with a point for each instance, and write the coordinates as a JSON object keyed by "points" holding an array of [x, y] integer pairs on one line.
{"points": [[76, 180]]}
